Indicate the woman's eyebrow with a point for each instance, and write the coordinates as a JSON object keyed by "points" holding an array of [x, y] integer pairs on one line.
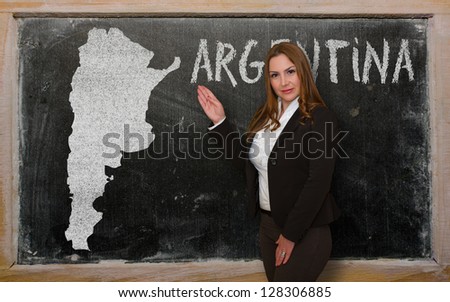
{"points": [[293, 66]]}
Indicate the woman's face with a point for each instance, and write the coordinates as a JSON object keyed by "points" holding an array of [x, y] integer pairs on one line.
{"points": [[284, 78]]}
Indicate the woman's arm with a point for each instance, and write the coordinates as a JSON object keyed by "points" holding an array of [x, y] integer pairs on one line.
{"points": [[224, 133]]}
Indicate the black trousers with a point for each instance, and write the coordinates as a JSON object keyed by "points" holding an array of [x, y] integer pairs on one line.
{"points": [[307, 260]]}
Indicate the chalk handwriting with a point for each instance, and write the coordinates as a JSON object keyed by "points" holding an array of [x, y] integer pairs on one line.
{"points": [[375, 61]]}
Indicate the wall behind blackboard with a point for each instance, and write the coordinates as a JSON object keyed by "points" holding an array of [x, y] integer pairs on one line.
{"points": [[80, 79]]}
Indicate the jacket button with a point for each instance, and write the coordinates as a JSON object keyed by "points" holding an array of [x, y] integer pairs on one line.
{"points": [[273, 162]]}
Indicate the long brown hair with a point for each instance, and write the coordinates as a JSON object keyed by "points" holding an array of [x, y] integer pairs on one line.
{"points": [[309, 97]]}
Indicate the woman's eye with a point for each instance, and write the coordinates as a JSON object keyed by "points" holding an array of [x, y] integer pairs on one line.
{"points": [[291, 71], [273, 75]]}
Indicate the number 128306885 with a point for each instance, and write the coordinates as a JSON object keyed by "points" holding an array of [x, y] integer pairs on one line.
{"points": [[286, 292]]}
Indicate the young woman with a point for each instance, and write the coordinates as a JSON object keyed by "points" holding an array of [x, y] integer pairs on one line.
{"points": [[289, 166]]}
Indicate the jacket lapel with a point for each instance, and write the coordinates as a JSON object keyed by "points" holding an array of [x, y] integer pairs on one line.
{"points": [[288, 131]]}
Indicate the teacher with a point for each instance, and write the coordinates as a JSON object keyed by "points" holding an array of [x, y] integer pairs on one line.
{"points": [[289, 160]]}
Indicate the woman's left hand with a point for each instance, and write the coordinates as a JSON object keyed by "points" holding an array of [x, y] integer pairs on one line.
{"points": [[283, 251]]}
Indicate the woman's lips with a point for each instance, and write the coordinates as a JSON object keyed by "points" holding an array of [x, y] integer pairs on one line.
{"points": [[287, 90]]}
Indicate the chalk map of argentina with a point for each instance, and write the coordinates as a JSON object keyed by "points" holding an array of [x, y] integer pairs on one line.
{"points": [[115, 82]]}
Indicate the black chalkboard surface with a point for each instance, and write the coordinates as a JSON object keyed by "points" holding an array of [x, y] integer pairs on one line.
{"points": [[111, 135]]}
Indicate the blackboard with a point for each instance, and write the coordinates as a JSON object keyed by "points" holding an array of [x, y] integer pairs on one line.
{"points": [[92, 87]]}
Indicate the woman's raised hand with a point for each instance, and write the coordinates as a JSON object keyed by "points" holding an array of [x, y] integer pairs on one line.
{"points": [[210, 104]]}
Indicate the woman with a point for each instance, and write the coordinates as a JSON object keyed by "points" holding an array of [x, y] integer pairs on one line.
{"points": [[288, 167]]}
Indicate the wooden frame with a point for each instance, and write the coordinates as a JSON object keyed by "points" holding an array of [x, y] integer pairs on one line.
{"points": [[439, 77]]}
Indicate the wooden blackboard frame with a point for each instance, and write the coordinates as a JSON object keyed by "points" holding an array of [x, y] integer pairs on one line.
{"points": [[438, 43]]}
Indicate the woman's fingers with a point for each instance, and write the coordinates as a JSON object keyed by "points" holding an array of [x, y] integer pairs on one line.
{"points": [[282, 255], [209, 96], [203, 91], [201, 96], [204, 96], [278, 257], [287, 256], [210, 104], [204, 102], [283, 251]]}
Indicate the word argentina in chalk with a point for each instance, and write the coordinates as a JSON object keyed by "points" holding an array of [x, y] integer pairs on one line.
{"points": [[337, 49]]}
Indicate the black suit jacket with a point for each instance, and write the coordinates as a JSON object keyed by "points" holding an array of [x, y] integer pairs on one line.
{"points": [[300, 170]]}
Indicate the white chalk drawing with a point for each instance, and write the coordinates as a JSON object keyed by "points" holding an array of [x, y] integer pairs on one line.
{"points": [[403, 53], [333, 46], [315, 66], [111, 88], [382, 67], [339, 51], [355, 62], [202, 53], [259, 65], [222, 62]]}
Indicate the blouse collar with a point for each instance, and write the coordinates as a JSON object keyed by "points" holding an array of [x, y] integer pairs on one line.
{"points": [[290, 109]]}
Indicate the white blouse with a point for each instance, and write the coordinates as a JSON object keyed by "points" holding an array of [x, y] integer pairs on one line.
{"points": [[262, 146]]}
